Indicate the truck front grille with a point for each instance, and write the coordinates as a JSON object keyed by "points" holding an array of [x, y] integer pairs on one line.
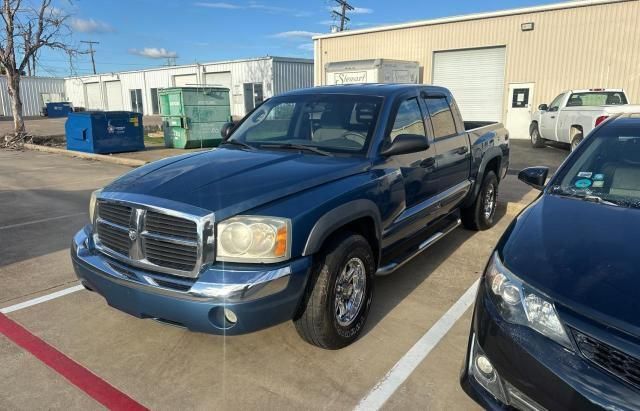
{"points": [[618, 363], [150, 239]]}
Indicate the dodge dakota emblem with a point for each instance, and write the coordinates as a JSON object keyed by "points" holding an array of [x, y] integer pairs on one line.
{"points": [[133, 235]]}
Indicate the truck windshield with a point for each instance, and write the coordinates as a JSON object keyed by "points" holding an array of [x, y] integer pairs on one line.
{"points": [[333, 123], [604, 98], [607, 171]]}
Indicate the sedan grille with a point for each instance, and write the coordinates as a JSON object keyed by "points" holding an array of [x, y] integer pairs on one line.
{"points": [[152, 239], [618, 363]]}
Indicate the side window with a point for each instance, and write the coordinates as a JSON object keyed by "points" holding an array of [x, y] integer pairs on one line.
{"points": [[441, 117], [408, 120], [555, 104]]}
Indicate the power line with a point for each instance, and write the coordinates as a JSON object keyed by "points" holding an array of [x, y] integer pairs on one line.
{"points": [[342, 15], [91, 51]]}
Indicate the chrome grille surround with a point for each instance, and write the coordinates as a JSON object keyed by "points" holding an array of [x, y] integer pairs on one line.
{"points": [[182, 249]]}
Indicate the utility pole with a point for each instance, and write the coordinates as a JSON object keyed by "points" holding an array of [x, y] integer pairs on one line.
{"points": [[344, 7], [91, 51]]}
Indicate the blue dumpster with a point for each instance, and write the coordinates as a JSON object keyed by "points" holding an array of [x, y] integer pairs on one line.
{"points": [[59, 109], [104, 132]]}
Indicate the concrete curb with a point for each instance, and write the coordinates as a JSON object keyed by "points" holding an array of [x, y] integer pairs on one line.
{"points": [[87, 156]]}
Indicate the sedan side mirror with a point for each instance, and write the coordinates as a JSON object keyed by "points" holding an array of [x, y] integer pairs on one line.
{"points": [[226, 129], [543, 107], [536, 177], [405, 144]]}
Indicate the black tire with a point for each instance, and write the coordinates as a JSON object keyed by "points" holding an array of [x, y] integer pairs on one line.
{"points": [[481, 214], [536, 140], [575, 142], [318, 320]]}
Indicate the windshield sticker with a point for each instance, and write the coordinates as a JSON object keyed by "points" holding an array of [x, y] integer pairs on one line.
{"points": [[585, 174], [598, 184], [583, 183], [598, 177]]}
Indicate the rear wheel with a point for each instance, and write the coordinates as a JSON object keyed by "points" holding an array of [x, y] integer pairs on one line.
{"points": [[536, 140], [481, 214], [337, 302], [575, 142]]}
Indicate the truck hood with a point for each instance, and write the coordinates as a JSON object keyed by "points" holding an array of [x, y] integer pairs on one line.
{"points": [[231, 181], [581, 254]]}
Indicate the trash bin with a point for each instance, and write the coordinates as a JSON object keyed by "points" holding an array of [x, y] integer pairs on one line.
{"points": [[58, 109], [193, 116], [104, 132]]}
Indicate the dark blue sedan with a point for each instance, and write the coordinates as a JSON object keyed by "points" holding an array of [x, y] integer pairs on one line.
{"points": [[557, 317]]}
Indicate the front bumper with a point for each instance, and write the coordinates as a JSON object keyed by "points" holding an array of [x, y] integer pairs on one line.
{"points": [[258, 297], [545, 372]]}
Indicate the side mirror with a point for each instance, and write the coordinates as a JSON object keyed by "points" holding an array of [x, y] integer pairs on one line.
{"points": [[226, 129], [536, 177], [405, 144], [543, 107]]}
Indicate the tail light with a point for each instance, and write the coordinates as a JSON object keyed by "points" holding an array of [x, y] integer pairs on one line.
{"points": [[600, 120]]}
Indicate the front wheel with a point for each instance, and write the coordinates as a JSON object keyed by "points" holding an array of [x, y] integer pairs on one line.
{"points": [[337, 302], [536, 139], [481, 214]]}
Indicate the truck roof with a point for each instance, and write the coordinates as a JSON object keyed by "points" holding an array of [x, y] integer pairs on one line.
{"points": [[596, 90], [368, 89]]}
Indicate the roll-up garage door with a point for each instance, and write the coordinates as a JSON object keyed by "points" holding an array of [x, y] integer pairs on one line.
{"points": [[94, 99], [218, 79], [113, 89], [185, 80], [476, 79]]}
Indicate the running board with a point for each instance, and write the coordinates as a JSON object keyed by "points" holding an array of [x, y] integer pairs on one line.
{"points": [[391, 267]]}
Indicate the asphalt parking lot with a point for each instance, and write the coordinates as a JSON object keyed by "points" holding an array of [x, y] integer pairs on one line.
{"points": [[43, 202]]}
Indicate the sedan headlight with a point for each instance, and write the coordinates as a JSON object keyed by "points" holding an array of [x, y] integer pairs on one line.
{"points": [[92, 204], [519, 305], [250, 239]]}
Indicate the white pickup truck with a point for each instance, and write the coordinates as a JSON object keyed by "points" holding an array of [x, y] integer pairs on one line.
{"points": [[574, 113]]}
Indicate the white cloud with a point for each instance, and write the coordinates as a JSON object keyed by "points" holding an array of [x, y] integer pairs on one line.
{"points": [[306, 46], [218, 5], [356, 10], [154, 53], [296, 35], [90, 26]]}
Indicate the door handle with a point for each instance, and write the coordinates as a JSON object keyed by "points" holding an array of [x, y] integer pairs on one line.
{"points": [[553, 117], [462, 150], [428, 162]]}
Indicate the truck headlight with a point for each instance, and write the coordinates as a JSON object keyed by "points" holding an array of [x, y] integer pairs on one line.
{"points": [[92, 204], [254, 239], [520, 305]]}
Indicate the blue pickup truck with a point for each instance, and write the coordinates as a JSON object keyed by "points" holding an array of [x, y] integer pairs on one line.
{"points": [[308, 198]]}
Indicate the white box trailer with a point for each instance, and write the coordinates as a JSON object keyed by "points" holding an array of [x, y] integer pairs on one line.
{"points": [[372, 71]]}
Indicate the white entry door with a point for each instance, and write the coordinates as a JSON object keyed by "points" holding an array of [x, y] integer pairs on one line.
{"points": [[519, 109], [113, 90]]}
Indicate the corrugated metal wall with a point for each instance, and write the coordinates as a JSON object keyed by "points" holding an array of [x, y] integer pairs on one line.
{"points": [[31, 90], [578, 47], [259, 70]]}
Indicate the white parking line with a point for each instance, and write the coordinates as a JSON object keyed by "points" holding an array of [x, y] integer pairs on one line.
{"points": [[42, 299], [385, 388], [44, 220]]}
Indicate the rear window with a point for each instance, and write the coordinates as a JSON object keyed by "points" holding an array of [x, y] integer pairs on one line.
{"points": [[597, 99]]}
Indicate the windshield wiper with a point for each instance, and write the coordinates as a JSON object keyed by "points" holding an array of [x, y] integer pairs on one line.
{"points": [[239, 144], [599, 200], [557, 190], [300, 147]]}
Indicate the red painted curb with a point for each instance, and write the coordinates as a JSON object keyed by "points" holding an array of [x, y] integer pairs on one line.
{"points": [[76, 374]]}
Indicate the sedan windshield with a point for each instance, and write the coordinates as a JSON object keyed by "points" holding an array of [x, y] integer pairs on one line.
{"points": [[321, 124], [607, 170]]}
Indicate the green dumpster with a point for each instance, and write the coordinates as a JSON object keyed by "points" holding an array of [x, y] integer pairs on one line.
{"points": [[193, 116]]}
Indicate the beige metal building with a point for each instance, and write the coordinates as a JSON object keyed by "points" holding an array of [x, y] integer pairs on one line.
{"points": [[501, 65]]}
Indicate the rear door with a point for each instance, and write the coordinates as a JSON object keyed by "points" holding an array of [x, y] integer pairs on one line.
{"points": [[549, 118], [453, 161]]}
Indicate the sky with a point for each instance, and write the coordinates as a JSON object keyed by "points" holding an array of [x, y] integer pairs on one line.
{"points": [[135, 34]]}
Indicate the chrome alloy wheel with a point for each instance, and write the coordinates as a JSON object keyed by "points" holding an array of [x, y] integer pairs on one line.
{"points": [[350, 291], [489, 202]]}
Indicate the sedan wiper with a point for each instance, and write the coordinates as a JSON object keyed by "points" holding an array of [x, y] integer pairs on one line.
{"points": [[599, 200], [300, 147], [239, 144]]}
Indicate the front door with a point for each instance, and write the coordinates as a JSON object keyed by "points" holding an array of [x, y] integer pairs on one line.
{"points": [[549, 119], [519, 109]]}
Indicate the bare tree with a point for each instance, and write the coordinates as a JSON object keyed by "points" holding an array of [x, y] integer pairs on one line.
{"points": [[29, 26]]}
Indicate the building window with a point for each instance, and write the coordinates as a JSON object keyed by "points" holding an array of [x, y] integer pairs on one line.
{"points": [[155, 106], [136, 100], [441, 117]]}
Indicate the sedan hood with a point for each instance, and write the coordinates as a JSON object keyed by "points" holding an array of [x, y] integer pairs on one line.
{"points": [[583, 255], [231, 181]]}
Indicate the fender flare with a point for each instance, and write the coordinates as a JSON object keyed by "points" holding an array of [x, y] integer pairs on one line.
{"points": [[338, 217], [491, 154]]}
